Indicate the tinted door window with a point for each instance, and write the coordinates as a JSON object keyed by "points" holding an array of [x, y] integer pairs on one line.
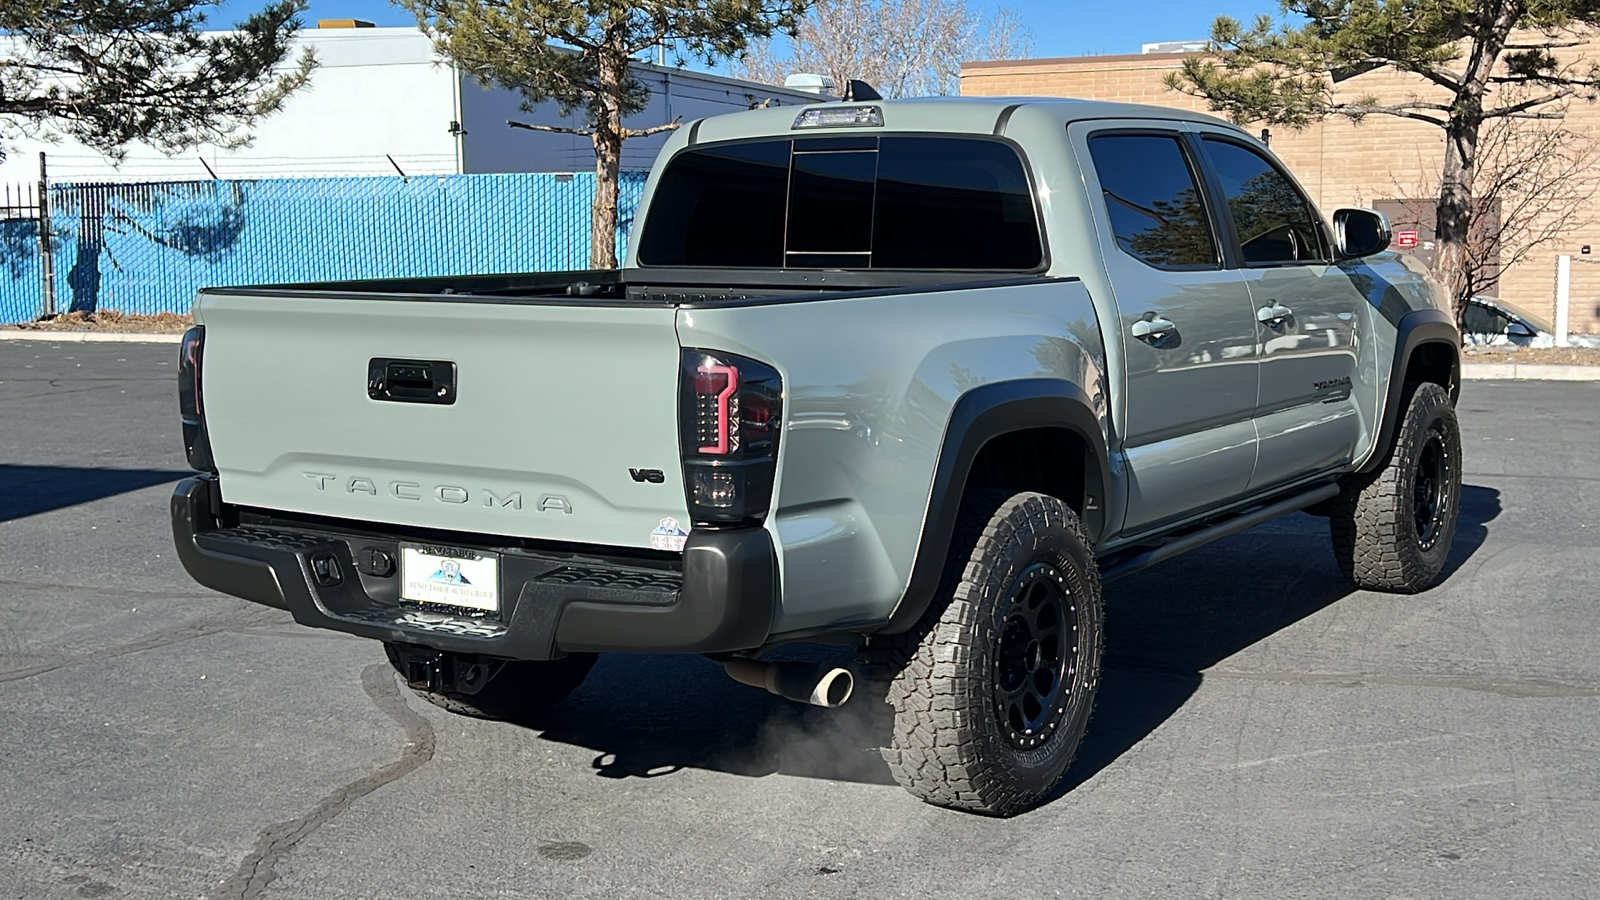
{"points": [[1153, 201], [1480, 320], [1274, 221], [891, 202]]}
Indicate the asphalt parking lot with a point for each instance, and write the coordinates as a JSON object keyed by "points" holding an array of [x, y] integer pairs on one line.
{"points": [[1262, 731]]}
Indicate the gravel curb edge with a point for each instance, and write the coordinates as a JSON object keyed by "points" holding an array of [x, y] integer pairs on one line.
{"points": [[1528, 372], [90, 337]]}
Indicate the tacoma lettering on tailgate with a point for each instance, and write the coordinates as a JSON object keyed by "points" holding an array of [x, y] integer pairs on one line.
{"points": [[442, 493]]}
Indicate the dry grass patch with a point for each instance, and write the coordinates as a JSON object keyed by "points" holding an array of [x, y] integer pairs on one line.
{"points": [[112, 321]]}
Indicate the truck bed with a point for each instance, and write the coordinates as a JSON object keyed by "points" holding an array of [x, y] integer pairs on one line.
{"points": [[646, 287]]}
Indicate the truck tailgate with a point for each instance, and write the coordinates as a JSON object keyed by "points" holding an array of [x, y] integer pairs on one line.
{"points": [[553, 406]]}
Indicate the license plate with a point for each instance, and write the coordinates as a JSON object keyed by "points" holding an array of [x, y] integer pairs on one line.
{"points": [[448, 576]]}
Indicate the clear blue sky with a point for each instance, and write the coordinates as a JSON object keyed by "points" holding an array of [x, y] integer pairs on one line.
{"points": [[1060, 27]]}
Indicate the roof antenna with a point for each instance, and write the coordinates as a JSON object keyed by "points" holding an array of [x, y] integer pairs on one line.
{"points": [[856, 90]]}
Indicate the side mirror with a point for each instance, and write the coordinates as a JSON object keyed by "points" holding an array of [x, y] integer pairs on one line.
{"points": [[1517, 329], [1360, 232]]}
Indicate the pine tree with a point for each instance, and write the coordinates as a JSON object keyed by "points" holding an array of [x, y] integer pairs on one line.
{"points": [[109, 73], [1475, 60], [578, 54]]}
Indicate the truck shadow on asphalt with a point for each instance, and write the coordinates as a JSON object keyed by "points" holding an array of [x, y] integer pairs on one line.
{"points": [[648, 716], [31, 490], [1168, 624]]}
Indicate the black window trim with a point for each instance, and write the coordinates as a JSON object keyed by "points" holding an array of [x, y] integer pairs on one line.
{"points": [[1199, 173], [1214, 185], [1040, 224]]}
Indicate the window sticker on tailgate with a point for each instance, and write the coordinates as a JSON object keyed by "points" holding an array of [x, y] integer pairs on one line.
{"points": [[669, 535]]}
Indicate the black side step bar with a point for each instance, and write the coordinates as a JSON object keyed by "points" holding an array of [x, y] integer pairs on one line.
{"points": [[1190, 541]]}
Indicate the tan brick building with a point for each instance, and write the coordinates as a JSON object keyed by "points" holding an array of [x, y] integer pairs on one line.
{"points": [[1341, 163]]}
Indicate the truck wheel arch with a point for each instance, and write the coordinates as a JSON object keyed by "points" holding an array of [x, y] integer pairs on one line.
{"points": [[1427, 349], [1002, 435]]}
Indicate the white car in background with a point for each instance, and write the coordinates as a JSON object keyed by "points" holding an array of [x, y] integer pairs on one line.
{"points": [[1495, 322]]}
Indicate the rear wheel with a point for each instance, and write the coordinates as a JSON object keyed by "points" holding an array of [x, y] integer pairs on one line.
{"points": [[992, 705], [488, 689], [1392, 529]]}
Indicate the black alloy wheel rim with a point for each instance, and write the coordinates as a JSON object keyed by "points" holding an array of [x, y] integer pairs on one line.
{"points": [[1036, 658], [1429, 491]]}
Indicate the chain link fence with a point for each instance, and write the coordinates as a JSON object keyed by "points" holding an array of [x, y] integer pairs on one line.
{"points": [[147, 248]]}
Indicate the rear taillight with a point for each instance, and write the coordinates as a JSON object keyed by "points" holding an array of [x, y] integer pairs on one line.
{"points": [[731, 410], [191, 402]]}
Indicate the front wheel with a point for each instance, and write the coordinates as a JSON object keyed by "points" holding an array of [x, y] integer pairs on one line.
{"points": [[992, 705], [1392, 529]]}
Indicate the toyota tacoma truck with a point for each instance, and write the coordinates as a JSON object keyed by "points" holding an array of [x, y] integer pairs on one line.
{"points": [[911, 376]]}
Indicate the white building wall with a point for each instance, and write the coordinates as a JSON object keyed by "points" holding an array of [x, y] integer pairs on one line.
{"points": [[379, 93], [376, 91]]}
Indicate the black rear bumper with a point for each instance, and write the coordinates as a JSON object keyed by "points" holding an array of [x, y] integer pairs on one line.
{"points": [[721, 598]]}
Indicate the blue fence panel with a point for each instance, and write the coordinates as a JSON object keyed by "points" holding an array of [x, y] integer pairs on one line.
{"points": [[19, 270], [147, 248]]}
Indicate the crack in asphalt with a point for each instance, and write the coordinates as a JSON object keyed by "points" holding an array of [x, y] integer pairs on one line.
{"points": [[102, 589], [55, 394], [1516, 688], [259, 868], [1534, 477], [155, 641]]}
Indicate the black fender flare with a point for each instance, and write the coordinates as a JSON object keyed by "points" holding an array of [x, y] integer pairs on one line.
{"points": [[1416, 328], [979, 416]]}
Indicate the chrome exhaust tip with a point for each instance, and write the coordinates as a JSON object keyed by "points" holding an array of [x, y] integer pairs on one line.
{"points": [[818, 685]]}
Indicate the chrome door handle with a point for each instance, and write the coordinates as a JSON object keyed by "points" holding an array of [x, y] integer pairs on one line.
{"points": [[1274, 314], [1153, 329]]}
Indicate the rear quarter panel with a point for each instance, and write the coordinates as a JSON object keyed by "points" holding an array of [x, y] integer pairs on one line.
{"points": [[869, 386]]}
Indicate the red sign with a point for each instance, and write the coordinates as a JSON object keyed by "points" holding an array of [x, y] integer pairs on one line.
{"points": [[1406, 239]]}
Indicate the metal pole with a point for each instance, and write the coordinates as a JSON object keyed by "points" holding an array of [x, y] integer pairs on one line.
{"points": [[47, 268], [1563, 298]]}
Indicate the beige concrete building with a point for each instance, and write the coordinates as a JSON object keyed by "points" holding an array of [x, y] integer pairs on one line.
{"points": [[1377, 163]]}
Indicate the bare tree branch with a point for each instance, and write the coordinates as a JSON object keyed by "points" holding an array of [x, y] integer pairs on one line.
{"points": [[556, 129], [1444, 78], [1360, 110], [1530, 103], [653, 129], [1549, 45]]}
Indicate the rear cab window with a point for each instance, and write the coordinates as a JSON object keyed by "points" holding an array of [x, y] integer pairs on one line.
{"points": [[1153, 201], [872, 202]]}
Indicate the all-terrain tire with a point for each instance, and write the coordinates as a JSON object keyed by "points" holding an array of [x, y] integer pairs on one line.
{"points": [[518, 689], [1392, 529], [992, 705]]}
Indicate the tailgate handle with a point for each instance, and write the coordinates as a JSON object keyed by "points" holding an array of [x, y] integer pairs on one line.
{"points": [[412, 380]]}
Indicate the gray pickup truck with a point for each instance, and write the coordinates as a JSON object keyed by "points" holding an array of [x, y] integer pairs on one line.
{"points": [[909, 376]]}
